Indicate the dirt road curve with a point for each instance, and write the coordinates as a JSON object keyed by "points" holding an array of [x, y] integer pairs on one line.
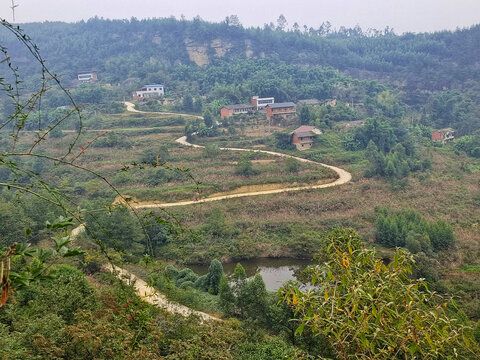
{"points": [[343, 177], [146, 292], [131, 107], [150, 295]]}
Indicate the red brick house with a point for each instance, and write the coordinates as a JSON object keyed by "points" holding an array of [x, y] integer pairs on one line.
{"points": [[229, 110], [304, 136], [281, 110], [443, 135]]}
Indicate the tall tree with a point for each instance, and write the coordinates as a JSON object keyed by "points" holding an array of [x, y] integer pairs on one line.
{"points": [[215, 273], [282, 23], [305, 115], [227, 298]]}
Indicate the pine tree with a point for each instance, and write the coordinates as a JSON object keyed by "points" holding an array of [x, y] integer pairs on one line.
{"points": [[215, 273], [227, 298], [390, 170], [252, 299]]}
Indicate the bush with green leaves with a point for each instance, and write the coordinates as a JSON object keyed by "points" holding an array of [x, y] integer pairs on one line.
{"points": [[244, 166], [369, 310], [112, 139], [283, 141], [469, 144], [409, 229], [292, 165], [160, 154], [211, 150]]}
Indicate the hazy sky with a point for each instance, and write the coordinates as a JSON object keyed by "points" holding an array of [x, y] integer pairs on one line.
{"points": [[402, 15]]}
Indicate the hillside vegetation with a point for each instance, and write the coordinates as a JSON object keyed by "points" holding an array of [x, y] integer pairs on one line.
{"points": [[398, 241]]}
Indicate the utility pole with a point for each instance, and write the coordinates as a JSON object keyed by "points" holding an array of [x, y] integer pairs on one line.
{"points": [[13, 9]]}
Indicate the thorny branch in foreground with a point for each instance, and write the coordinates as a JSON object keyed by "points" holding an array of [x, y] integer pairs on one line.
{"points": [[24, 103]]}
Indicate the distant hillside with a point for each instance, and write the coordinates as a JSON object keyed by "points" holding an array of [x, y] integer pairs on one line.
{"points": [[120, 49], [436, 75]]}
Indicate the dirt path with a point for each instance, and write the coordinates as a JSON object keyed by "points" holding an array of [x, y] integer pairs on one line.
{"points": [[152, 296], [131, 107], [343, 177], [146, 292]]}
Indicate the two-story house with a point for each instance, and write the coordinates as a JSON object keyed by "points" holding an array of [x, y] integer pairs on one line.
{"points": [[147, 91], [304, 136]]}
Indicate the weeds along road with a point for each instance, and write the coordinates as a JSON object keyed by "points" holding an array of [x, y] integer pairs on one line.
{"points": [[343, 175]]}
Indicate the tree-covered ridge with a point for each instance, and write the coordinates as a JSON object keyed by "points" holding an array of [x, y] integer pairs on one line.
{"points": [[138, 48], [434, 74]]}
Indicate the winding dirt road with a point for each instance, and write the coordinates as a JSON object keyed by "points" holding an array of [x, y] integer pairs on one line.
{"points": [[131, 107], [343, 177], [146, 292], [152, 296]]}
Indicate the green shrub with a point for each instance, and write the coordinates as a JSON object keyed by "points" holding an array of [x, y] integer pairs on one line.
{"points": [[292, 165], [394, 227], [211, 150], [244, 166]]}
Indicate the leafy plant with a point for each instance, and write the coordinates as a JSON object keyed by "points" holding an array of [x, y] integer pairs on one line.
{"points": [[21, 264], [369, 310]]}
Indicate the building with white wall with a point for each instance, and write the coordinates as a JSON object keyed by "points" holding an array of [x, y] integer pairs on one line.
{"points": [[85, 77], [147, 91], [261, 103]]}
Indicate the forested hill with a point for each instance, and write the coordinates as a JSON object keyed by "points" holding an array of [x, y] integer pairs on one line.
{"points": [[149, 49]]}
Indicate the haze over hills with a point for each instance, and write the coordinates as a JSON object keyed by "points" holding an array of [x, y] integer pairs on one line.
{"points": [[123, 48]]}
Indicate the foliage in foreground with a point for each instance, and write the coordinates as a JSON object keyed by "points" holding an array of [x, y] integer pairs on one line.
{"points": [[369, 310]]}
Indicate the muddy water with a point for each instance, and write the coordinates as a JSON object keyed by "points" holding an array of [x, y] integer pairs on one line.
{"points": [[274, 271]]}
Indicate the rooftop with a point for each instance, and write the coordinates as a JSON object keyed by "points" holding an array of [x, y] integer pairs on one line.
{"points": [[305, 130], [238, 106], [446, 130], [281, 105], [309, 102]]}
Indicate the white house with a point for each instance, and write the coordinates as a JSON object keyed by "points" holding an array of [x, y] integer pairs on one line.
{"points": [[87, 76], [261, 103], [149, 91]]}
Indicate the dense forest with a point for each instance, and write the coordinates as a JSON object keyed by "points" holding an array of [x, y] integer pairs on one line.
{"points": [[428, 71], [394, 251]]}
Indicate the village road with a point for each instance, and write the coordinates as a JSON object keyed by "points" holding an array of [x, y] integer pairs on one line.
{"points": [[152, 296], [131, 107], [343, 177], [146, 292]]}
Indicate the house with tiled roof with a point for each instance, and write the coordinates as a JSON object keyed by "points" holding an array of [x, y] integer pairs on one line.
{"points": [[304, 136], [281, 110], [444, 135], [229, 110]]}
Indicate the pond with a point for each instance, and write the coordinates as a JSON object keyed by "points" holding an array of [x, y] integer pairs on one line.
{"points": [[274, 271]]}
